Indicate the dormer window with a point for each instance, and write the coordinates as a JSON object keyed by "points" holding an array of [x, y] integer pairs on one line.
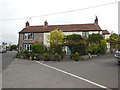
{"points": [[28, 36]]}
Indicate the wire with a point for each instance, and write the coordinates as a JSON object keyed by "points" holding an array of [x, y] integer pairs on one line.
{"points": [[59, 12]]}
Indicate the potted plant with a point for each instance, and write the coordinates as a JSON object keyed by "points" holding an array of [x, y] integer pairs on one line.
{"points": [[35, 56], [21, 55], [46, 56], [76, 56], [56, 57]]}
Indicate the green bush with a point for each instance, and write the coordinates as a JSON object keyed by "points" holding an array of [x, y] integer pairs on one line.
{"points": [[46, 56], [56, 56], [38, 48], [13, 47], [25, 54], [93, 48], [102, 47], [76, 56], [58, 49], [35, 56], [76, 43]]}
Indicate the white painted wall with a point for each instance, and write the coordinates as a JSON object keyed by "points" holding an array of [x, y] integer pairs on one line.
{"points": [[107, 36], [91, 32], [69, 33], [45, 41]]}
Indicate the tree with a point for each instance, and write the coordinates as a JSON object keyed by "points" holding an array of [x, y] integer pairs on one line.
{"points": [[93, 48], [73, 38], [76, 43], [95, 38], [97, 44], [114, 40], [13, 47], [55, 38], [102, 47]]}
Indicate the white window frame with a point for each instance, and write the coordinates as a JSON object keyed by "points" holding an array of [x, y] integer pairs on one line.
{"points": [[27, 46], [28, 36]]}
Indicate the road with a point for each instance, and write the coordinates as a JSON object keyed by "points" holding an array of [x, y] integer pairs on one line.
{"points": [[7, 58], [101, 70]]}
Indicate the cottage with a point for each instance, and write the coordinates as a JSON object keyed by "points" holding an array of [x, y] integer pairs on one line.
{"points": [[105, 34], [32, 34]]}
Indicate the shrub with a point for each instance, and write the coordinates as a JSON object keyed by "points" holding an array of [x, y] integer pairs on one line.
{"points": [[26, 54], [23, 54], [46, 56], [76, 56], [76, 43], [93, 48], [38, 48], [103, 47], [56, 57], [35, 56], [58, 49]]}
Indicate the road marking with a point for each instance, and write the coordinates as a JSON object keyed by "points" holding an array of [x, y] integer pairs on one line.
{"points": [[73, 75]]}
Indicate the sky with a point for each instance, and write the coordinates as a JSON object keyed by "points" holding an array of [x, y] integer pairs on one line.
{"points": [[15, 13]]}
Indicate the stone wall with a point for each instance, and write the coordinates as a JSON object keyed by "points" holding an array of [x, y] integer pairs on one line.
{"points": [[38, 37]]}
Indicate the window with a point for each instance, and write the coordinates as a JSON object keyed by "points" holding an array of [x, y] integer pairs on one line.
{"points": [[27, 47], [28, 36], [85, 34]]}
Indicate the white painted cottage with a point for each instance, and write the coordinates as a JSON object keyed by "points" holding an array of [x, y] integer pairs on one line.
{"points": [[38, 34]]}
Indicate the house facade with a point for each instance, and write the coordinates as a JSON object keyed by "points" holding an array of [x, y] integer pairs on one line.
{"points": [[38, 34]]}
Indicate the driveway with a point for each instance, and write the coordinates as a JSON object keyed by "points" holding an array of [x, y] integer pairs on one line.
{"points": [[99, 72]]}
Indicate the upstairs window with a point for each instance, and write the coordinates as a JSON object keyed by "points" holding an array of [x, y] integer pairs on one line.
{"points": [[85, 34], [28, 36]]}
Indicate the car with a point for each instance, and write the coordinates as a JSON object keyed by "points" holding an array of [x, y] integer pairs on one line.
{"points": [[117, 55], [2, 50]]}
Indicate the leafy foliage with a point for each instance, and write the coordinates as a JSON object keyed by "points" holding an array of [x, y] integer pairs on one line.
{"points": [[97, 44], [13, 47], [46, 55], [95, 38], [56, 56], [114, 40], [93, 48], [55, 38], [73, 38], [38, 48], [76, 43], [76, 54], [103, 47]]}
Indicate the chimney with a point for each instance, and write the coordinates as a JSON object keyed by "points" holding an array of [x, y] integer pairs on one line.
{"points": [[27, 24], [96, 20], [46, 23]]}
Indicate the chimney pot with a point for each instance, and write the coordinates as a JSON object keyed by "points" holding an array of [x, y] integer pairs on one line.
{"points": [[96, 20], [27, 24], [46, 23]]}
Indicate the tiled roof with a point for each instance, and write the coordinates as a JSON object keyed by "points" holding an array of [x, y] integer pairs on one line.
{"points": [[64, 28], [105, 32]]}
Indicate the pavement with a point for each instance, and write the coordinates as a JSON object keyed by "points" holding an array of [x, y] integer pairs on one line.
{"points": [[99, 72]]}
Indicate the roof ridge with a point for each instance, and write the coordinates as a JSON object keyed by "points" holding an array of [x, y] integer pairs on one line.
{"points": [[63, 25]]}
